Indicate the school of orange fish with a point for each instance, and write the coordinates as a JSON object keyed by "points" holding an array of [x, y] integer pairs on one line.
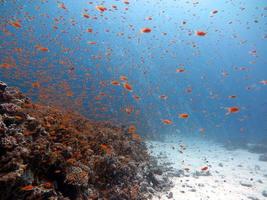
{"points": [[58, 51]]}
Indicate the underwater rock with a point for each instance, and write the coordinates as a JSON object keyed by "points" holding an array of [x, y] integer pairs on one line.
{"points": [[264, 193], [201, 173], [253, 198], [257, 148], [245, 183], [2, 86], [170, 195], [9, 108], [47, 153], [263, 157]]}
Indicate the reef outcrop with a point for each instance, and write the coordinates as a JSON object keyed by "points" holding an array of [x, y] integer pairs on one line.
{"points": [[47, 153]]}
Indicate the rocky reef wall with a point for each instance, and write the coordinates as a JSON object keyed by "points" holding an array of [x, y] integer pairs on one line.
{"points": [[47, 153]]}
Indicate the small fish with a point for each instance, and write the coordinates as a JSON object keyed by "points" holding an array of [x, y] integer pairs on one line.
{"points": [[69, 93], [136, 97], [135, 136], [62, 5], [184, 115], [6, 65], [89, 30], [164, 97], [200, 33], [27, 188], [123, 78], [115, 83], [36, 85], [41, 48], [132, 129], [189, 90], [232, 110], [264, 82], [101, 8], [202, 130], [232, 96], [167, 121], [204, 168], [145, 30], [15, 24], [85, 15], [128, 87], [179, 70], [214, 12], [91, 42], [129, 110]]}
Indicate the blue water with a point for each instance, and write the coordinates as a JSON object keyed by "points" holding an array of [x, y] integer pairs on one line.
{"points": [[73, 73]]}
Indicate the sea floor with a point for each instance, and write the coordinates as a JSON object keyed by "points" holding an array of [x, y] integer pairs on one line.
{"points": [[231, 174]]}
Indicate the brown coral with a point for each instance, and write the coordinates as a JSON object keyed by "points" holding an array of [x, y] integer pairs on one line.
{"points": [[63, 155]]}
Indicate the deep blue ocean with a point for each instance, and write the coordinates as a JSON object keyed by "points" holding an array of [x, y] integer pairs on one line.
{"points": [[144, 62]]}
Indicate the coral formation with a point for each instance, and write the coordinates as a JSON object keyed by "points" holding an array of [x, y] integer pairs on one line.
{"points": [[47, 153]]}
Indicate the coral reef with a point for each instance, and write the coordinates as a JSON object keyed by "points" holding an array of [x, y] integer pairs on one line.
{"points": [[47, 153]]}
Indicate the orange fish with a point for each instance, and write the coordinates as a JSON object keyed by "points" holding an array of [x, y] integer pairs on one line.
{"points": [[183, 115], [44, 49], [232, 110], [62, 5], [163, 97], [129, 110], [200, 33], [16, 24], [89, 30], [115, 82], [232, 96], [91, 42], [135, 136], [128, 87], [179, 70], [69, 93], [204, 168], [145, 30], [123, 78], [264, 82], [36, 85], [27, 188], [202, 130], [136, 97], [19, 50], [85, 15], [6, 65], [101, 8], [167, 121], [41, 48], [132, 129]]}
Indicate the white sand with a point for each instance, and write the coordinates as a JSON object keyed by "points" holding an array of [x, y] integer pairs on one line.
{"points": [[224, 181]]}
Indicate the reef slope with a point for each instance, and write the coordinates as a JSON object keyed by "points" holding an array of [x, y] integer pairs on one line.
{"points": [[47, 153]]}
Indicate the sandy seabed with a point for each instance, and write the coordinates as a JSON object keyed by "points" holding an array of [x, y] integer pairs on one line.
{"points": [[231, 175]]}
